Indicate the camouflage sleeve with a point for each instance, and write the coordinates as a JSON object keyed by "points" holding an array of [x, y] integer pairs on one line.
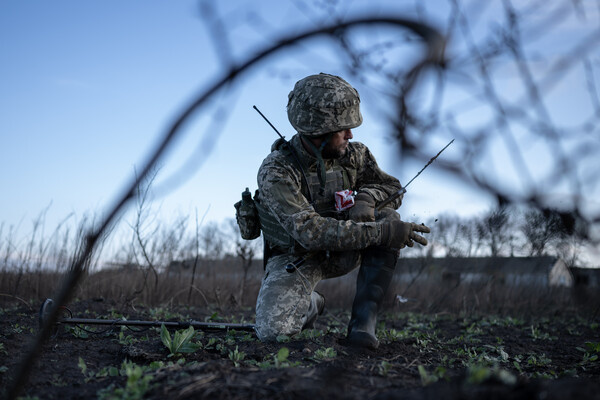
{"points": [[279, 187], [371, 179]]}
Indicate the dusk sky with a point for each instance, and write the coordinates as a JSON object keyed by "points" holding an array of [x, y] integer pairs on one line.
{"points": [[88, 88]]}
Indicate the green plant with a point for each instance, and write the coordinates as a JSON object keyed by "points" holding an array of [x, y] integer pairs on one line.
{"points": [[236, 356], [573, 331], [281, 357], [219, 344], [538, 361], [590, 353], [102, 373], [126, 339], [393, 335], [593, 347], [88, 375], [544, 375], [506, 321], [240, 336], [336, 329], [181, 342], [136, 386], [212, 343], [477, 374], [429, 378], [163, 313], [502, 356], [115, 314], [537, 334], [325, 354], [310, 334], [473, 329], [19, 329], [517, 364], [384, 368], [78, 332], [470, 353], [213, 317], [279, 360]]}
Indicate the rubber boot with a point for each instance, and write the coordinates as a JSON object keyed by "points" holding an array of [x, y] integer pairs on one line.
{"points": [[374, 277]]}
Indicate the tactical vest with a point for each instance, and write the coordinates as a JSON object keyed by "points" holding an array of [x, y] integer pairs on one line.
{"points": [[337, 178]]}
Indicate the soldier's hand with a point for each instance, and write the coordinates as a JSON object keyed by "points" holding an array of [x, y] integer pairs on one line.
{"points": [[397, 234], [384, 213], [363, 209], [421, 228]]}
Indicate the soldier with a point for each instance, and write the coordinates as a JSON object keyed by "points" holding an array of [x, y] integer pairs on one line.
{"points": [[297, 185]]}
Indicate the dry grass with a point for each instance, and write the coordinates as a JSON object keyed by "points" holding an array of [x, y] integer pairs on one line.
{"points": [[217, 285]]}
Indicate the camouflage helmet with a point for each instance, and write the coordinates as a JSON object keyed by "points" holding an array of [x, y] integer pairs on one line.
{"points": [[323, 103]]}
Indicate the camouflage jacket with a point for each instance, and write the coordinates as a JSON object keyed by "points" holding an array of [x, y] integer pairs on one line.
{"points": [[280, 191]]}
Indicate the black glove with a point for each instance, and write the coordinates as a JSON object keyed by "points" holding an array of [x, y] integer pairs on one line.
{"points": [[397, 234], [384, 213], [363, 209]]}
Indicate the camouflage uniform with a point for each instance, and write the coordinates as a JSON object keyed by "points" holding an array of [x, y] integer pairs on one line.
{"points": [[295, 203], [331, 247]]}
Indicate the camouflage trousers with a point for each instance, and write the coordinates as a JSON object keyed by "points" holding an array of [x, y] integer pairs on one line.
{"points": [[286, 300]]}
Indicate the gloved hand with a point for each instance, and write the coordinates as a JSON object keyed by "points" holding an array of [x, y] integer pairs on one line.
{"points": [[363, 209], [397, 234], [384, 213]]}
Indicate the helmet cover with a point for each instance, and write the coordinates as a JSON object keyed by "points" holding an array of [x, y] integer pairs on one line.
{"points": [[323, 103]]}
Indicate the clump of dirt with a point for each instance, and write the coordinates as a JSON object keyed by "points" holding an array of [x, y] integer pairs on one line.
{"points": [[420, 356]]}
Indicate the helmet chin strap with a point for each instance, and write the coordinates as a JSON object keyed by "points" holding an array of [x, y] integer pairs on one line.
{"points": [[318, 152]]}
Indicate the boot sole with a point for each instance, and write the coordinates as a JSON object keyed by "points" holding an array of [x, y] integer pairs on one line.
{"points": [[363, 339]]}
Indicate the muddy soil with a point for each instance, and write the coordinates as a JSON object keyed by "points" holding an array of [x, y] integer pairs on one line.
{"points": [[420, 356]]}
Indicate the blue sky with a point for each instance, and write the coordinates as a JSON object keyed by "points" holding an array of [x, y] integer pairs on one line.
{"points": [[89, 87]]}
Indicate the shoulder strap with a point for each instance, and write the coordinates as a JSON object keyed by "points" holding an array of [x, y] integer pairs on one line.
{"points": [[291, 153]]}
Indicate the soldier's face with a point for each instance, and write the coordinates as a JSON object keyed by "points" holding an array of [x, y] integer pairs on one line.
{"points": [[338, 144]]}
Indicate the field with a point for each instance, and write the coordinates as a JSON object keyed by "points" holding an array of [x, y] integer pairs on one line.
{"points": [[465, 352]]}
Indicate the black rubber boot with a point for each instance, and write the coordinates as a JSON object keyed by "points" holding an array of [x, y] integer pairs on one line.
{"points": [[374, 277]]}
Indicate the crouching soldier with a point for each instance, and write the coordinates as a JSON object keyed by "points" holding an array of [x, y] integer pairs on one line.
{"points": [[298, 184]]}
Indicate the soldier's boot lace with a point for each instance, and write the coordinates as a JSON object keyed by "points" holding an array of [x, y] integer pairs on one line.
{"points": [[316, 307], [374, 277]]}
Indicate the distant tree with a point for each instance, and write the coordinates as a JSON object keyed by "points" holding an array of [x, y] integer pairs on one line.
{"points": [[494, 231], [442, 234], [569, 249], [245, 250], [541, 228], [451, 236], [573, 238], [467, 237], [212, 241]]}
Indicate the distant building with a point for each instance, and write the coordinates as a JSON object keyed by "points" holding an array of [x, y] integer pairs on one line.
{"points": [[588, 277], [539, 271]]}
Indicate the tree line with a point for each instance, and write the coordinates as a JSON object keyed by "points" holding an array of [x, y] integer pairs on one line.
{"points": [[504, 232]]}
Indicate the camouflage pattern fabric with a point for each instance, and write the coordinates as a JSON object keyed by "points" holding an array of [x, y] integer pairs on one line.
{"points": [[283, 303], [246, 217], [279, 185], [322, 104], [284, 298]]}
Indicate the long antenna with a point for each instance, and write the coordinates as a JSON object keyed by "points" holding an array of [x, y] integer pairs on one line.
{"points": [[403, 190], [269, 122], [429, 163]]}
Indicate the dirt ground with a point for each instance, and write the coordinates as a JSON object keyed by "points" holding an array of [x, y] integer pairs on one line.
{"points": [[420, 357]]}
